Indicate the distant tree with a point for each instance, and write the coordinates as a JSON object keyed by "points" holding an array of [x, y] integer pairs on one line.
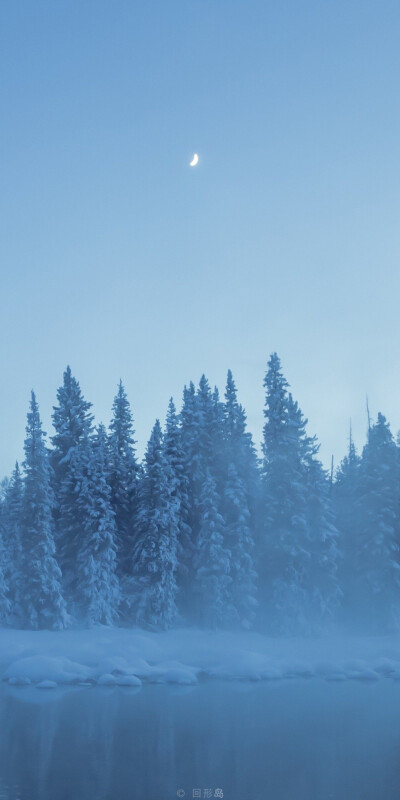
{"points": [[124, 476], [73, 423], [4, 593], [325, 593], [376, 596], [212, 561], [97, 592], [239, 540], [288, 528], [345, 504], [299, 548], [155, 553], [219, 462], [206, 414], [192, 470], [241, 452], [44, 606], [179, 491], [12, 544]]}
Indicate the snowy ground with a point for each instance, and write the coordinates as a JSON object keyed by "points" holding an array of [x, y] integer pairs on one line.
{"points": [[105, 656]]}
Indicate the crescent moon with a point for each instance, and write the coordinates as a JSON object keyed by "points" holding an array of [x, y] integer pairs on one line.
{"points": [[194, 161]]}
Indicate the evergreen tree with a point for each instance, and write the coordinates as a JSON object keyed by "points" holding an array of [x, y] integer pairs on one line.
{"points": [[299, 553], [124, 475], [218, 437], [179, 490], [345, 504], [97, 592], [44, 606], [212, 561], [155, 552], [198, 423], [206, 416], [12, 520], [288, 528], [376, 593], [4, 591], [324, 590], [241, 451], [73, 423], [240, 541]]}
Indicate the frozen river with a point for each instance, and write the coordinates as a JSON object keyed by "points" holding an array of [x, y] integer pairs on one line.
{"points": [[283, 740]]}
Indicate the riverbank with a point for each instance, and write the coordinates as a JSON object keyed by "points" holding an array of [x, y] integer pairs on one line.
{"points": [[128, 657]]}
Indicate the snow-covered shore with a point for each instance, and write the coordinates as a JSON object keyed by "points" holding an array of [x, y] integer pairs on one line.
{"points": [[130, 657]]}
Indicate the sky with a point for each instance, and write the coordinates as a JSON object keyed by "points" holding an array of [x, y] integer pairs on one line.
{"points": [[119, 259]]}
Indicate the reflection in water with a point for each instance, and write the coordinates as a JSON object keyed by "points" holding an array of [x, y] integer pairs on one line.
{"points": [[305, 740]]}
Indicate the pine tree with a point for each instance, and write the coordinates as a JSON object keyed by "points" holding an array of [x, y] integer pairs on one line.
{"points": [[345, 501], [5, 605], [212, 561], [218, 438], [12, 543], [44, 606], [324, 590], [73, 423], [240, 541], [376, 598], [206, 416], [155, 554], [198, 421], [179, 489], [288, 528], [299, 553], [241, 451], [124, 475], [97, 588], [275, 413]]}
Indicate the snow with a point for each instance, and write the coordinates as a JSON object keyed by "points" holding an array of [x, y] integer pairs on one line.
{"points": [[46, 685], [113, 657]]}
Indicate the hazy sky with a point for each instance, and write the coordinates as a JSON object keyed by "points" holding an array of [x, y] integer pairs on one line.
{"points": [[118, 258]]}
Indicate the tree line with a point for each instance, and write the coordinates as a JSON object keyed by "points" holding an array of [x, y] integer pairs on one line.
{"points": [[203, 531]]}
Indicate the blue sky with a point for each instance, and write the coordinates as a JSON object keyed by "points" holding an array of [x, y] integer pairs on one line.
{"points": [[118, 258]]}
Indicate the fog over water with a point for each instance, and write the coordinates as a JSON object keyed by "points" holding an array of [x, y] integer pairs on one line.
{"points": [[298, 739]]}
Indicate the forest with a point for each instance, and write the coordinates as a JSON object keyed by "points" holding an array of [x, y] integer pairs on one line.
{"points": [[205, 531]]}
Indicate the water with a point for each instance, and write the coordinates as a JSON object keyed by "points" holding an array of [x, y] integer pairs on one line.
{"points": [[289, 740]]}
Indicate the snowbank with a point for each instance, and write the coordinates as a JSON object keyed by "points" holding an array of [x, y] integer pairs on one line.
{"points": [[121, 657]]}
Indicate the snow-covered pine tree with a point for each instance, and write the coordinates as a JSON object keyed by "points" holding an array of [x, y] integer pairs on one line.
{"points": [[5, 605], [198, 424], [189, 434], [345, 504], [179, 487], [206, 416], [325, 593], [239, 540], [288, 529], [154, 566], [376, 599], [218, 437], [44, 606], [13, 543], [241, 451], [274, 488], [298, 557], [73, 423], [212, 561], [97, 586], [124, 476]]}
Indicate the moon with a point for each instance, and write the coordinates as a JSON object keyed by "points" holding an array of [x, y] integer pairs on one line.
{"points": [[194, 161]]}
